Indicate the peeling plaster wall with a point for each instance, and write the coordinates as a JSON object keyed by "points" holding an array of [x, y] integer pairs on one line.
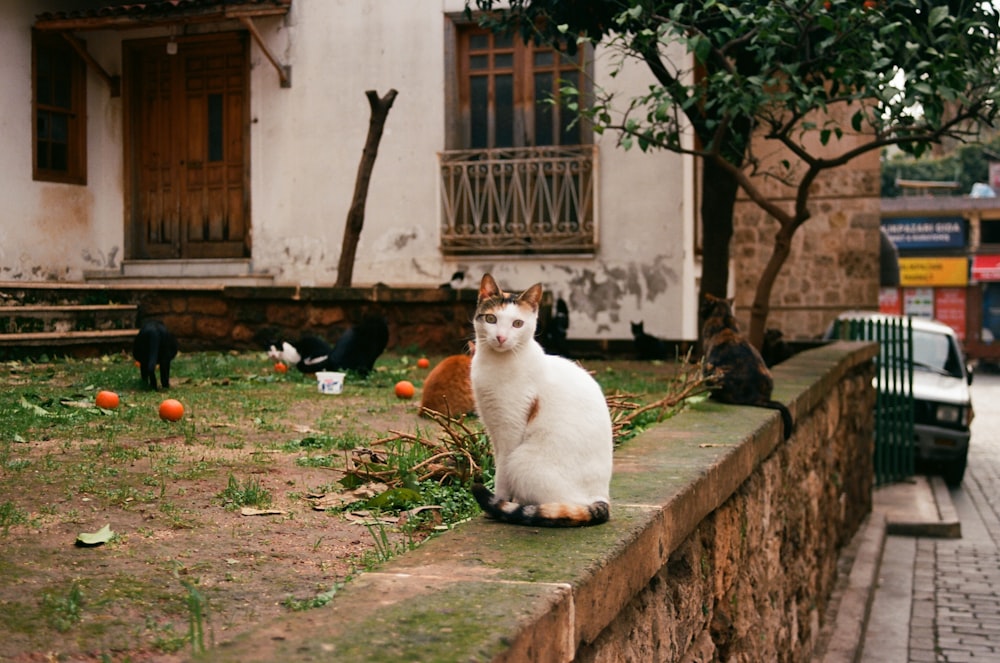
{"points": [[304, 171], [51, 231]]}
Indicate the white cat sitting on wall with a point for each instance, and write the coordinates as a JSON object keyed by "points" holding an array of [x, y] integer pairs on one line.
{"points": [[546, 418]]}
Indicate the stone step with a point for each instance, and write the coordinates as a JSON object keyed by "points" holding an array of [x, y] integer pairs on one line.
{"points": [[181, 273], [68, 338], [185, 268], [28, 318]]}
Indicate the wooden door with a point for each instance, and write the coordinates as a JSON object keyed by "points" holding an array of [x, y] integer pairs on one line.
{"points": [[187, 120]]}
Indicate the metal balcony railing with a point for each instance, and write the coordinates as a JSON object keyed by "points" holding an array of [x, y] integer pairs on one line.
{"points": [[519, 200]]}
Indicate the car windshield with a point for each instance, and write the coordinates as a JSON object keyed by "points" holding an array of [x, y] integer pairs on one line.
{"points": [[936, 352]]}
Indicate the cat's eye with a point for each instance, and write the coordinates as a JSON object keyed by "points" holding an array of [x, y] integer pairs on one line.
{"points": [[518, 324], [490, 318]]}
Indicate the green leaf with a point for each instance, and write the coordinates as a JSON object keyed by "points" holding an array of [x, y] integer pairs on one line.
{"points": [[102, 535], [40, 411], [857, 119], [937, 15], [394, 498]]}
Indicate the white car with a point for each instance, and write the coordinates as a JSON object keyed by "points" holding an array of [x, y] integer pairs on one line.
{"points": [[941, 394]]}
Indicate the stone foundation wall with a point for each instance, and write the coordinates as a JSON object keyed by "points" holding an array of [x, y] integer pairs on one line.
{"points": [[750, 582], [435, 320], [722, 545]]}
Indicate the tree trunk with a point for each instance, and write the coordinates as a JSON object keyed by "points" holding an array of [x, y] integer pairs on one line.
{"points": [[762, 295], [356, 214], [718, 198]]}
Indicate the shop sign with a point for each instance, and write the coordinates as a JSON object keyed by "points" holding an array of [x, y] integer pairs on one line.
{"points": [[933, 271], [986, 268], [918, 302], [889, 301], [949, 308], [926, 232]]}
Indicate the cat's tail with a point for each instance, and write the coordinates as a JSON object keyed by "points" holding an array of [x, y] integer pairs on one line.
{"points": [[786, 416], [554, 514]]}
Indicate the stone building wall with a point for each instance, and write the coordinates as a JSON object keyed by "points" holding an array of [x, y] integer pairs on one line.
{"points": [[834, 263]]}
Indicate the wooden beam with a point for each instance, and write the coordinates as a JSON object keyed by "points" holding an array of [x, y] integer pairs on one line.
{"points": [[284, 71], [145, 20], [114, 82]]}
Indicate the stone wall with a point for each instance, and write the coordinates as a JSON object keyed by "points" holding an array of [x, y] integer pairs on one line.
{"points": [[722, 545], [834, 262], [437, 320]]}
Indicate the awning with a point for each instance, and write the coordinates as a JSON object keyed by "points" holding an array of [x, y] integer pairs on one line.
{"points": [[126, 16], [159, 13], [986, 268]]}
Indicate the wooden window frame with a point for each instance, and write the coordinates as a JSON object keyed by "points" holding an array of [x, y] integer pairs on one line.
{"points": [[75, 112], [525, 199], [458, 52]]}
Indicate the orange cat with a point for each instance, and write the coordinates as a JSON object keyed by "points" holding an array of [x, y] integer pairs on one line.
{"points": [[448, 388]]}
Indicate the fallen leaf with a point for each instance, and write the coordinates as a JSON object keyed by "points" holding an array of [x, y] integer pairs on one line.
{"points": [[364, 517], [102, 535], [360, 494], [247, 511]]}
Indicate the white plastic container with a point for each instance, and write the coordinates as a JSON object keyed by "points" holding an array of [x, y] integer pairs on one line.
{"points": [[330, 382]]}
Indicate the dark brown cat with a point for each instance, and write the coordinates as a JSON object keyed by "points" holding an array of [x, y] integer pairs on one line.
{"points": [[743, 378], [448, 387]]}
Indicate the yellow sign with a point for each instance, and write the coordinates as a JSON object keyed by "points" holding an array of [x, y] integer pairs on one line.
{"points": [[916, 272]]}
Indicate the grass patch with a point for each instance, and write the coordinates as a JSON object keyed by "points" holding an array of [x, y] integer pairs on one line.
{"points": [[250, 437]]}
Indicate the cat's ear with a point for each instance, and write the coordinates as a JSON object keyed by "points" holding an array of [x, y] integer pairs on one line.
{"points": [[532, 296], [488, 288]]}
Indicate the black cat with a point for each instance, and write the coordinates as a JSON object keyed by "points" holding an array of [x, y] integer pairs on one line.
{"points": [[554, 337], [154, 345], [648, 346], [742, 376], [356, 350], [361, 345], [775, 349]]}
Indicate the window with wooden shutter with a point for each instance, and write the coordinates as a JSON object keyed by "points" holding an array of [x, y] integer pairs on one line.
{"points": [[59, 100]]}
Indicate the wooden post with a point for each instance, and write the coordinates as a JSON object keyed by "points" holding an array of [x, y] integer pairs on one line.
{"points": [[356, 215]]}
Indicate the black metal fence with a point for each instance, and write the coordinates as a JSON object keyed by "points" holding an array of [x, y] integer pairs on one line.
{"points": [[895, 447]]}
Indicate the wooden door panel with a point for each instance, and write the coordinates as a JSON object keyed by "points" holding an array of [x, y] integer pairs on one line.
{"points": [[190, 189], [157, 228], [215, 105]]}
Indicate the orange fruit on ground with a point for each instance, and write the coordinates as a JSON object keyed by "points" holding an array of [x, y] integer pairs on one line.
{"points": [[423, 362], [107, 399], [280, 367], [171, 410], [404, 389]]}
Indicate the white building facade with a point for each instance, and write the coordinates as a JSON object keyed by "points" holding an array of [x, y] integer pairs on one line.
{"points": [[184, 137]]}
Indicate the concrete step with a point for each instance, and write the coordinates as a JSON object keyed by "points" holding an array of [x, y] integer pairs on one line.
{"points": [[185, 268]]}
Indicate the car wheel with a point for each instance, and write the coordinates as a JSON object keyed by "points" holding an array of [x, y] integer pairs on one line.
{"points": [[954, 471]]}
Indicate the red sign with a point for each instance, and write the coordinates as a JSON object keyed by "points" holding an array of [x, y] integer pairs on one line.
{"points": [[949, 308], [986, 268], [889, 301]]}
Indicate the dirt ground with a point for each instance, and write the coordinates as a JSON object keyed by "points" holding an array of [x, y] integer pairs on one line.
{"points": [[180, 559], [182, 568]]}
